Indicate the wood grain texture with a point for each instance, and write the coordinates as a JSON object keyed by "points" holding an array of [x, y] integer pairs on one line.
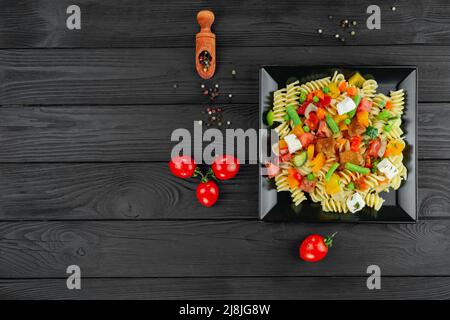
{"points": [[287, 288], [142, 191], [140, 23], [143, 133], [118, 191], [148, 76], [218, 248], [114, 133]]}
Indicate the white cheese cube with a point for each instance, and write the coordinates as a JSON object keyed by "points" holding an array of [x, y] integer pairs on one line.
{"points": [[355, 202], [293, 143], [387, 168], [345, 106]]}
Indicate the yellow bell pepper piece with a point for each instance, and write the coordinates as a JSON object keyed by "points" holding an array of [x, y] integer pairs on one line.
{"points": [[333, 186], [356, 80], [363, 118], [318, 162], [394, 148], [310, 152], [333, 90]]}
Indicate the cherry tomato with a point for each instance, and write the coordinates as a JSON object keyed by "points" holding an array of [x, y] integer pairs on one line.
{"points": [[225, 167], [315, 247], [182, 166], [374, 146], [207, 193]]}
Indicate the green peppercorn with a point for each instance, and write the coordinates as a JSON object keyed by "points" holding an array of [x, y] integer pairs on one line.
{"points": [[316, 99], [310, 177], [347, 121], [351, 186], [325, 90], [306, 128]]}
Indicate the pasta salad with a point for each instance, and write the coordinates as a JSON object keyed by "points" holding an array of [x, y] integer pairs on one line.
{"points": [[340, 142]]}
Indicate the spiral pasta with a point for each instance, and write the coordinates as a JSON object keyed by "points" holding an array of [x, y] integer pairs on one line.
{"points": [[279, 105], [373, 200], [345, 149]]}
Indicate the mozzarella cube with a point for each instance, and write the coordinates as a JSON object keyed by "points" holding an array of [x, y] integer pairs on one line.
{"points": [[345, 106], [293, 143], [387, 168], [355, 202]]}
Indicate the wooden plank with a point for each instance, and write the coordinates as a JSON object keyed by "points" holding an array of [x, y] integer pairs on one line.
{"points": [[118, 191], [286, 288], [434, 199], [433, 133], [140, 23], [218, 248], [114, 133], [148, 76], [143, 133], [149, 191]]}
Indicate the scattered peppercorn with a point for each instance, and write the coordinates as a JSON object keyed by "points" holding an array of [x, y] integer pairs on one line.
{"points": [[353, 33], [393, 8], [319, 31]]}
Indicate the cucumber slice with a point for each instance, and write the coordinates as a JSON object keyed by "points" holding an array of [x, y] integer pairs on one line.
{"points": [[300, 159], [269, 118]]}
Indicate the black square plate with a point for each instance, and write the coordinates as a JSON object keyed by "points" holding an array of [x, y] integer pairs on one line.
{"points": [[401, 205]]}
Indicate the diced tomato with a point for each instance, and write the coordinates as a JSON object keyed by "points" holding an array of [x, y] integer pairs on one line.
{"points": [[364, 105], [374, 146], [313, 121], [307, 185], [306, 139], [285, 157], [323, 130], [361, 183], [301, 110], [326, 100], [355, 142]]}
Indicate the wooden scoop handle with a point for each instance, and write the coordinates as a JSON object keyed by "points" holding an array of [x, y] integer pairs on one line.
{"points": [[205, 41]]}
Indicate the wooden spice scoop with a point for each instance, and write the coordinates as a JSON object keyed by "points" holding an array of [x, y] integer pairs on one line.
{"points": [[205, 44]]}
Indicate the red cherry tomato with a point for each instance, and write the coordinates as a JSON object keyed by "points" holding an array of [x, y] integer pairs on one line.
{"points": [[182, 166], [315, 247], [207, 193], [225, 167]]}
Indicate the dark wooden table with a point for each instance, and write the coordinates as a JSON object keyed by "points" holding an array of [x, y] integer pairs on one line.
{"points": [[85, 123]]}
